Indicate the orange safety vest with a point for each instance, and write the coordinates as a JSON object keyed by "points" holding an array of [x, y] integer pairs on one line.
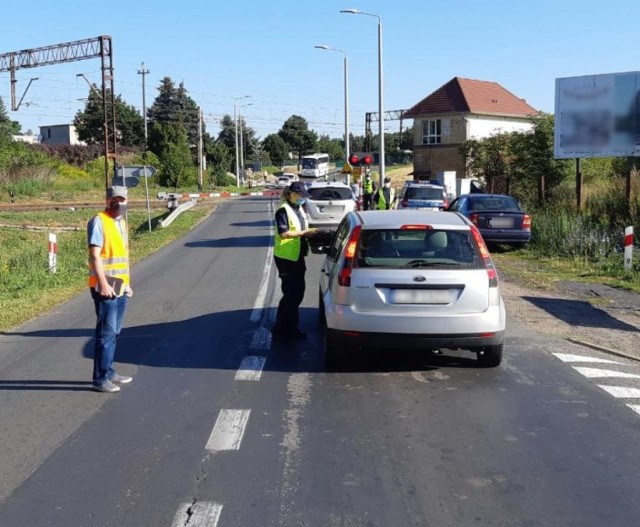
{"points": [[114, 253]]}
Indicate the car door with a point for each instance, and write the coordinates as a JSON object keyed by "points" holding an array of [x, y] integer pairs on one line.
{"points": [[330, 265]]}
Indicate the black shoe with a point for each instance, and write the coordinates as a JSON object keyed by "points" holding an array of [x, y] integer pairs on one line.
{"points": [[298, 334]]}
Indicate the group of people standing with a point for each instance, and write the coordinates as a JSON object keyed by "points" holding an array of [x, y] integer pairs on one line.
{"points": [[374, 198]]}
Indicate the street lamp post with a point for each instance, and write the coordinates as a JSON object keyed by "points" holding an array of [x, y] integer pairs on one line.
{"points": [[346, 98], [380, 87], [241, 141], [235, 119]]}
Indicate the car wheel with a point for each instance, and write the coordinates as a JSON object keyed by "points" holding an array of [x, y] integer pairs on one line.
{"points": [[490, 356]]}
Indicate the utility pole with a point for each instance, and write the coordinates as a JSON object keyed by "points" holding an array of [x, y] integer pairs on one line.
{"points": [[200, 156], [241, 175], [144, 72]]}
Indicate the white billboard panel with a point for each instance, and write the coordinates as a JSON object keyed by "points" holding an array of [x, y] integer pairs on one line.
{"points": [[598, 116]]}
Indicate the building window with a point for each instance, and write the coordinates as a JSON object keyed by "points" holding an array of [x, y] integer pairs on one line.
{"points": [[48, 133], [432, 132]]}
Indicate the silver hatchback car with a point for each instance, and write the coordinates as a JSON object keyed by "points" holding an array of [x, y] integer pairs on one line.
{"points": [[411, 279]]}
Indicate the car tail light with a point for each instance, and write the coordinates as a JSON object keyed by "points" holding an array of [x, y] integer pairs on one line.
{"points": [[486, 257], [404, 203], [474, 218], [526, 222], [344, 278]]}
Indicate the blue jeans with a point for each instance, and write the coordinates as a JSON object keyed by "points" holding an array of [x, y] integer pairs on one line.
{"points": [[110, 314]]}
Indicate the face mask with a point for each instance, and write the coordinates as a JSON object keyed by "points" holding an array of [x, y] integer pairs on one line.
{"points": [[387, 185], [300, 201], [117, 209]]}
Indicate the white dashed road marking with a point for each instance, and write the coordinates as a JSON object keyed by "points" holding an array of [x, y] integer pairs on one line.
{"points": [[250, 369], [622, 392], [567, 357], [261, 340], [593, 373], [228, 431], [205, 514]]}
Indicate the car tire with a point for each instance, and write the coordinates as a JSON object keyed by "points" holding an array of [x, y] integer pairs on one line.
{"points": [[490, 356]]}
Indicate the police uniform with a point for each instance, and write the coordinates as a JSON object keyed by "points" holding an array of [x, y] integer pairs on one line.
{"points": [[289, 254]]}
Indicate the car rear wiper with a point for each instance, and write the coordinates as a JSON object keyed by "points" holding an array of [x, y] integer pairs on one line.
{"points": [[429, 263]]}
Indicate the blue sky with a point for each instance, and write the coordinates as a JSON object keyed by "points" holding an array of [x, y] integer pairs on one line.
{"points": [[226, 49]]}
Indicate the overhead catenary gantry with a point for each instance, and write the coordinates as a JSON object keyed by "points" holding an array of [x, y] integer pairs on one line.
{"points": [[70, 52]]}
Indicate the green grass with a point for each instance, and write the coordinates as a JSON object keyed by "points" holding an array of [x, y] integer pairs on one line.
{"points": [[27, 288]]}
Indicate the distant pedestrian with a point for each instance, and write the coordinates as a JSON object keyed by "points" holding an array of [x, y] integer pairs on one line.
{"points": [[368, 189], [291, 247], [109, 285], [385, 198]]}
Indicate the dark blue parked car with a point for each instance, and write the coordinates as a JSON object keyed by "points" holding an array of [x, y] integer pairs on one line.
{"points": [[499, 217]]}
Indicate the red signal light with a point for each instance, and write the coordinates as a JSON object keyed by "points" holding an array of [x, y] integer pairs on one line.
{"points": [[354, 160], [367, 160]]}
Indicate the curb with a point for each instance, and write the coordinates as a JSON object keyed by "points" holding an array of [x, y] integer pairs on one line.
{"points": [[602, 348]]}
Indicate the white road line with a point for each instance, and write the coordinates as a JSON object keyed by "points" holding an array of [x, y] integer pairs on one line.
{"points": [[228, 431], [250, 368], [635, 407], [622, 392], [258, 305], [261, 340], [593, 373], [567, 357], [205, 514]]}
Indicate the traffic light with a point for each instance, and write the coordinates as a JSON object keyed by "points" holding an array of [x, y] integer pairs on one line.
{"points": [[360, 159]]}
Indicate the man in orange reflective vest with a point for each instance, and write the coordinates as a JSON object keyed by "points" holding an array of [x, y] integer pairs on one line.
{"points": [[109, 285]]}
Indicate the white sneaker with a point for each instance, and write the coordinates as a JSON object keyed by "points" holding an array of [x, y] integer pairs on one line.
{"points": [[121, 379], [107, 387]]}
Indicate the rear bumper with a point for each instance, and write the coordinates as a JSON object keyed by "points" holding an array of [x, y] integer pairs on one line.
{"points": [[497, 236], [416, 340]]}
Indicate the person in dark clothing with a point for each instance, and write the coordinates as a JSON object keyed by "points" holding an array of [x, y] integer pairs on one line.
{"points": [[290, 249]]}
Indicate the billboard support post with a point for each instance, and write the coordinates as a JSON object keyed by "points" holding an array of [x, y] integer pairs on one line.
{"points": [[578, 184]]}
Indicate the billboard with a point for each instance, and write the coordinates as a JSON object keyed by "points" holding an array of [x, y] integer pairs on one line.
{"points": [[597, 116]]}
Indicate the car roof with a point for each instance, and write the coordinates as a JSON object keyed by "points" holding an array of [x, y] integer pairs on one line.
{"points": [[320, 184], [421, 184], [394, 219], [486, 196]]}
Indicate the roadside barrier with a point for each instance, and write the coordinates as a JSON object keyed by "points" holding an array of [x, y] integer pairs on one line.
{"points": [[628, 248], [53, 252]]}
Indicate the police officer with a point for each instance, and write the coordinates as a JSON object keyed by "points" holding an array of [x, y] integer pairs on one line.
{"points": [[291, 247], [385, 198], [368, 188]]}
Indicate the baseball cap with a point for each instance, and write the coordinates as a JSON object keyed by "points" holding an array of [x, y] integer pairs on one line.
{"points": [[117, 192], [299, 187]]}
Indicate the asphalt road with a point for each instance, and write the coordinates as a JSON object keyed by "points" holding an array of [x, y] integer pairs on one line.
{"points": [[222, 427]]}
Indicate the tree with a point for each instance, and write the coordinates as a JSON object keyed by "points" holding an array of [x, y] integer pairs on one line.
{"points": [[334, 147], [89, 122], [296, 134], [219, 156], [169, 142], [227, 136], [7, 126], [277, 149], [173, 105]]}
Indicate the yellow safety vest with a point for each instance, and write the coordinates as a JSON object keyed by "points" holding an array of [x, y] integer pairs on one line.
{"points": [[367, 186], [114, 254], [289, 248], [382, 202]]}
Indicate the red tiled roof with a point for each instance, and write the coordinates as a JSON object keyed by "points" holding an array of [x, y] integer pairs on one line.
{"points": [[471, 96]]}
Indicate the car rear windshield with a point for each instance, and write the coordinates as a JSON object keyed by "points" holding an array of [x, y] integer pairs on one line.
{"points": [[494, 203], [424, 193], [422, 248], [328, 194]]}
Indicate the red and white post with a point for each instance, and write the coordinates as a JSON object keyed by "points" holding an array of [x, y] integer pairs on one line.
{"points": [[53, 252], [628, 248]]}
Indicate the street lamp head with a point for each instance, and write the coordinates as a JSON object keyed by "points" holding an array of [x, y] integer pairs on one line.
{"points": [[351, 11], [322, 46]]}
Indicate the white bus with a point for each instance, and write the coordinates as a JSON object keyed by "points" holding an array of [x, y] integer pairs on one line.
{"points": [[315, 166]]}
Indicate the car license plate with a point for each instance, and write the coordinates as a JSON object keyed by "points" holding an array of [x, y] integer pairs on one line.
{"points": [[501, 223], [422, 296]]}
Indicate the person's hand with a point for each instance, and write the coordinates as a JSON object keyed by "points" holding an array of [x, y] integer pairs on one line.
{"points": [[128, 291], [106, 291], [311, 231]]}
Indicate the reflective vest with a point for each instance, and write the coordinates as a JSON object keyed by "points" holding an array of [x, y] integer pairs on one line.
{"points": [[367, 186], [114, 252], [289, 248], [382, 201]]}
